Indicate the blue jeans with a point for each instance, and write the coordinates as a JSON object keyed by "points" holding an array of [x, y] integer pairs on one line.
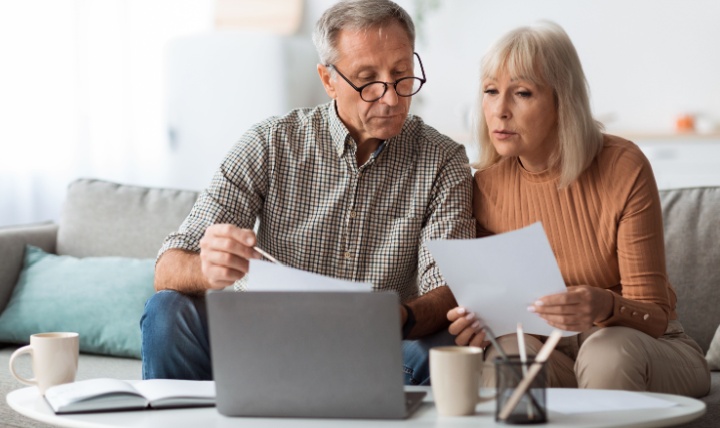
{"points": [[175, 341]]}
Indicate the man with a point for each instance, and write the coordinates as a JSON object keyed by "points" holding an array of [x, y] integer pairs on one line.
{"points": [[349, 189]]}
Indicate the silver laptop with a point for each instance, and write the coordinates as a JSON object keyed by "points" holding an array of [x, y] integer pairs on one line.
{"points": [[308, 354]]}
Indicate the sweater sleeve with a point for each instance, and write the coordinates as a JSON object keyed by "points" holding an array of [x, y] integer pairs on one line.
{"points": [[644, 298]]}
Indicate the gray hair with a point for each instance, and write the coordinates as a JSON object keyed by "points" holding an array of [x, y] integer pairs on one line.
{"points": [[545, 55], [356, 15]]}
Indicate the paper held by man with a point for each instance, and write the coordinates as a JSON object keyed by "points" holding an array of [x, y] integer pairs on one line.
{"points": [[269, 276], [499, 276]]}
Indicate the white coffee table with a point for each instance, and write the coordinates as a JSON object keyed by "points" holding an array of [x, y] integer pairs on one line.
{"points": [[28, 402]]}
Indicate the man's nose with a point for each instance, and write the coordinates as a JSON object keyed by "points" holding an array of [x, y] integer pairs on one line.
{"points": [[390, 97]]}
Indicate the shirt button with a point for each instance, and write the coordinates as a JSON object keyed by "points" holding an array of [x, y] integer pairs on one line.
{"points": [[646, 316], [622, 309], [353, 214], [635, 313], [348, 255]]}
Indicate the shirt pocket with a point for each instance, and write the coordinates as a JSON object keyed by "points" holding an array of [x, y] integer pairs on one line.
{"points": [[394, 237], [398, 209]]}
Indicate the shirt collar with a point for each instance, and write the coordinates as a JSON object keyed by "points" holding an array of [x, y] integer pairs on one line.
{"points": [[339, 132]]}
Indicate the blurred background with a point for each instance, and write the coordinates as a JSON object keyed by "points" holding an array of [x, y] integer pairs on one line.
{"points": [[155, 92]]}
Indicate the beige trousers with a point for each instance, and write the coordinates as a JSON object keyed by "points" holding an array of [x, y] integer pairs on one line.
{"points": [[618, 358]]}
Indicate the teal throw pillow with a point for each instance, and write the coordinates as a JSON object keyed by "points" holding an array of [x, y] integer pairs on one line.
{"points": [[102, 298]]}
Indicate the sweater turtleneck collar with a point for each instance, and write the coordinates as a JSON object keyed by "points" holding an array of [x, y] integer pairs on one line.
{"points": [[549, 174]]}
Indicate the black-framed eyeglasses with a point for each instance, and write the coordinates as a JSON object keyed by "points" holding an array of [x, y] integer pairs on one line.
{"points": [[404, 87]]}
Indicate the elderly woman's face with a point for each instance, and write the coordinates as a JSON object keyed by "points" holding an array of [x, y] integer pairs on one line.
{"points": [[521, 118]]}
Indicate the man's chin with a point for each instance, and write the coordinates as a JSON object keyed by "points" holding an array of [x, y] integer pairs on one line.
{"points": [[388, 131]]}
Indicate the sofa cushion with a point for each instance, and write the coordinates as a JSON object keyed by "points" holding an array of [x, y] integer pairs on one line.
{"points": [[102, 298], [692, 246], [101, 218]]}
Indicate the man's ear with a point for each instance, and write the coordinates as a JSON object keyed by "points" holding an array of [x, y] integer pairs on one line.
{"points": [[326, 80]]}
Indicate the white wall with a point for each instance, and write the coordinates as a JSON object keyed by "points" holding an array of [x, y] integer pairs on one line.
{"points": [[82, 94], [220, 83]]}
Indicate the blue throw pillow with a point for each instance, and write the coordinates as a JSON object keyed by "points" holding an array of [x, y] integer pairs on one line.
{"points": [[102, 298]]}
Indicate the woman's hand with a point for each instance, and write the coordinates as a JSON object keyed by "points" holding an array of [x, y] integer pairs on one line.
{"points": [[466, 327], [578, 309]]}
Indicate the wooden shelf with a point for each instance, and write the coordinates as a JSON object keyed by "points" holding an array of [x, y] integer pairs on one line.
{"points": [[634, 136], [669, 136]]}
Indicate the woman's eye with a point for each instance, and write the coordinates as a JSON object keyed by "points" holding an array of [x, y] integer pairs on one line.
{"points": [[524, 94], [490, 91]]}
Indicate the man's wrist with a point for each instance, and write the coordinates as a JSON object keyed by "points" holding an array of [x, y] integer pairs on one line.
{"points": [[409, 322]]}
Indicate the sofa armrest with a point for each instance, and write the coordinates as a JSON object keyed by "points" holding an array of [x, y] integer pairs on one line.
{"points": [[12, 250]]}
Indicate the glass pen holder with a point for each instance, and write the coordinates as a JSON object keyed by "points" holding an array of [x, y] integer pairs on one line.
{"points": [[531, 407]]}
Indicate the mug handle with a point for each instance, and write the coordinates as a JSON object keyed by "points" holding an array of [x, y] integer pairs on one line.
{"points": [[24, 350], [484, 398], [480, 398]]}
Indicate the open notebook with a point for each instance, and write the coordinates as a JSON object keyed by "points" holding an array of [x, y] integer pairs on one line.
{"points": [[104, 394]]}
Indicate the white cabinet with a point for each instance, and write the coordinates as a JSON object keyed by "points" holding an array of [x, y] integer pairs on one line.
{"points": [[221, 83], [682, 161]]}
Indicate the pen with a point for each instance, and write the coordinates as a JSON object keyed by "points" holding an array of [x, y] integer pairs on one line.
{"points": [[494, 342], [521, 347], [267, 256], [523, 361]]}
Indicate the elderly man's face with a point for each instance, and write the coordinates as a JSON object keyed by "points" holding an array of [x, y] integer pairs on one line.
{"points": [[379, 54]]}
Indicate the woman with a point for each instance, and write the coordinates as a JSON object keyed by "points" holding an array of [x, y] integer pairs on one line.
{"points": [[543, 158]]}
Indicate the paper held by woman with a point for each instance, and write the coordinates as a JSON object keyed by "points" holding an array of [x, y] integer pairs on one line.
{"points": [[499, 276]]}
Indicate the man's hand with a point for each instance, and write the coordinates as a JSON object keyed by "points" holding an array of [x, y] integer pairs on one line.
{"points": [[575, 310], [225, 251], [466, 328]]}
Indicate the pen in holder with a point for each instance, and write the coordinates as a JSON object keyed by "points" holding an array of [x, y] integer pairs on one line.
{"points": [[531, 407]]}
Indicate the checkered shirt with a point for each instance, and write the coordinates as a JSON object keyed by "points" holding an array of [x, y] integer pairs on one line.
{"points": [[318, 211]]}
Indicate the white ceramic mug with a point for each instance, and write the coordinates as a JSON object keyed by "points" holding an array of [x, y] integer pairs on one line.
{"points": [[54, 359], [455, 377]]}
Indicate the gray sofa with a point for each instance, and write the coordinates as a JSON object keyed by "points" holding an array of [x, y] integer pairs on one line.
{"points": [[99, 218], [108, 219]]}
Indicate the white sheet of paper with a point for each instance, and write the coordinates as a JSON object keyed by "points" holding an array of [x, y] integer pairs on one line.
{"points": [[269, 276], [568, 401], [499, 276]]}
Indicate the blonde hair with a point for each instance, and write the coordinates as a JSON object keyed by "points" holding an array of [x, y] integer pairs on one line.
{"points": [[545, 55]]}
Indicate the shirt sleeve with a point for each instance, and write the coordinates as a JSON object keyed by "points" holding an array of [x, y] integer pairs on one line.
{"points": [[644, 298], [448, 216], [234, 196]]}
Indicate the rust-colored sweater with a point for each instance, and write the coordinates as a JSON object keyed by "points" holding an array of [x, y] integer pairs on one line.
{"points": [[605, 228]]}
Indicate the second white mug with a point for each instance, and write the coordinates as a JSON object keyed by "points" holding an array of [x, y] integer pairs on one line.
{"points": [[455, 377]]}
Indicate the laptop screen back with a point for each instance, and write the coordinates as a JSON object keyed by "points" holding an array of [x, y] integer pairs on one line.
{"points": [[316, 354]]}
